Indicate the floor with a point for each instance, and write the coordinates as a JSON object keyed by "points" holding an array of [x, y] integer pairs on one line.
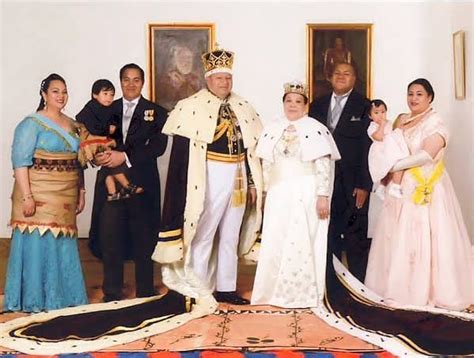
{"points": [[245, 327]]}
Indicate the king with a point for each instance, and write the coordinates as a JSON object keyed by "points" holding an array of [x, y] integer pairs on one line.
{"points": [[212, 206]]}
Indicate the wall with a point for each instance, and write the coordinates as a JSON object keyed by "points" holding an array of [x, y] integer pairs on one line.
{"points": [[460, 154], [84, 41]]}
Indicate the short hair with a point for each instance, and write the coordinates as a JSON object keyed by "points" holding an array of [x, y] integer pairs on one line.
{"points": [[133, 66], [378, 103], [425, 84], [344, 63], [305, 98], [102, 85]]}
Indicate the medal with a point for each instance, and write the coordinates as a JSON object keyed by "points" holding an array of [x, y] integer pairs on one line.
{"points": [[148, 115]]}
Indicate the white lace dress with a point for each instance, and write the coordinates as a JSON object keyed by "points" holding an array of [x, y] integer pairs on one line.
{"points": [[292, 260]]}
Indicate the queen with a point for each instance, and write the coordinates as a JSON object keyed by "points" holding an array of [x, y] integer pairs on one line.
{"points": [[296, 152]]}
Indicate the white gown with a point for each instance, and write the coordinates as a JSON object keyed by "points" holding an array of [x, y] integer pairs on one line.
{"points": [[292, 260]]}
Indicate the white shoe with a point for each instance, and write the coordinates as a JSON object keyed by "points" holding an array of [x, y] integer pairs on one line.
{"points": [[380, 192], [395, 190]]}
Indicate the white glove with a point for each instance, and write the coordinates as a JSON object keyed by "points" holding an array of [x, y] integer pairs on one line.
{"points": [[415, 160]]}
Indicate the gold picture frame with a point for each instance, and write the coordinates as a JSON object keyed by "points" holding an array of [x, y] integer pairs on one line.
{"points": [[175, 68], [459, 65], [328, 44]]}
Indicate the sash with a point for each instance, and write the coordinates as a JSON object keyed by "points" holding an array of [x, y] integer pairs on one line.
{"points": [[424, 189], [71, 141]]}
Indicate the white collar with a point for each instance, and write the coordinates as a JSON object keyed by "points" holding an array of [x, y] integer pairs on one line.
{"points": [[133, 101], [294, 122], [345, 95]]}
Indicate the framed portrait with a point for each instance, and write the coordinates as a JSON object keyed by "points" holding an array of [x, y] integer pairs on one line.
{"points": [[329, 44], [175, 65], [459, 65]]}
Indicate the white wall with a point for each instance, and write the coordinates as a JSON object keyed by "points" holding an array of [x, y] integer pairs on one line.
{"points": [[88, 40], [461, 150]]}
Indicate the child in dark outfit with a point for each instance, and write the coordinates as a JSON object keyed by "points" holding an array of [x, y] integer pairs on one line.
{"points": [[98, 135]]}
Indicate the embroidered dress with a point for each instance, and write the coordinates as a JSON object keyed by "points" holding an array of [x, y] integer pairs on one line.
{"points": [[44, 270], [292, 260]]}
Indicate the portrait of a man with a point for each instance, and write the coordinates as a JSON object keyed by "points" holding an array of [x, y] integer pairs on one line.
{"points": [[330, 44], [176, 66], [334, 55]]}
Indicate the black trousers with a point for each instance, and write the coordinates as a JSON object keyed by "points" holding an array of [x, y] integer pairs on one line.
{"points": [[126, 225], [348, 229]]}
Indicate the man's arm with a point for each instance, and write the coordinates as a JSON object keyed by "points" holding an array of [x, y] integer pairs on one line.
{"points": [[363, 180], [313, 110], [175, 193], [318, 109], [169, 247]]}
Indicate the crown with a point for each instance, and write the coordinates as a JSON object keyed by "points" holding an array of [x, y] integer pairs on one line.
{"points": [[296, 87], [217, 61]]}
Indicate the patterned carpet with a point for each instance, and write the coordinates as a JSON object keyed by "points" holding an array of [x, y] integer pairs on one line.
{"points": [[232, 332], [253, 328], [238, 331], [218, 354]]}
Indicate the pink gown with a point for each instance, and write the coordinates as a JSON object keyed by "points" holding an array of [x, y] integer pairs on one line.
{"points": [[421, 253]]}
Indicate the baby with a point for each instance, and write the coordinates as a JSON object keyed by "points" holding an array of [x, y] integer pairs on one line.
{"points": [[389, 146]]}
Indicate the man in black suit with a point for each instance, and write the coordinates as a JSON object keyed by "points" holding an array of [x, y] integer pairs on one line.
{"points": [[129, 227], [345, 112]]}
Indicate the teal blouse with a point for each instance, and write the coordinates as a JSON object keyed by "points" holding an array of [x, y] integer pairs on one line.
{"points": [[39, 132]]}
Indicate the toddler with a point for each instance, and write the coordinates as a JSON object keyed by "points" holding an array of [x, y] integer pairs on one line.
{"points": [[98, 135]]}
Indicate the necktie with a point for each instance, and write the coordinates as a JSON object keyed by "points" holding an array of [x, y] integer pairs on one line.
{"points": [[126, 119], [336, 112]]}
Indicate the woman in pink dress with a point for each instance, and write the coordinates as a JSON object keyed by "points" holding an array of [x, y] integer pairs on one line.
{"points": [[430, 251]]}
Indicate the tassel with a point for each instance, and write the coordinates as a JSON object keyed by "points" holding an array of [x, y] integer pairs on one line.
{"points": [[239, 195]]}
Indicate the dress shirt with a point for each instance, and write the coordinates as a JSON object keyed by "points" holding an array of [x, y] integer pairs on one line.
{"points": [[125, 126]]}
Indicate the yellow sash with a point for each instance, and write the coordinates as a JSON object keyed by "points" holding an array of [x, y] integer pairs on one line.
{"points": [[424, 189]]}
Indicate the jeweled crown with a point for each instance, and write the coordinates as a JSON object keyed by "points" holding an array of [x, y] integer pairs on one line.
{"points": [[296, 87], [217, 61]]}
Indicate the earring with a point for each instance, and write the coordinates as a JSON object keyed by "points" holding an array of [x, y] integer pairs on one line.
{"points": [[45, 104]]}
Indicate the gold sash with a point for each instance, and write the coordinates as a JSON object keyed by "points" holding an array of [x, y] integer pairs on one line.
{"points": [[55, 192], [425, 185]]}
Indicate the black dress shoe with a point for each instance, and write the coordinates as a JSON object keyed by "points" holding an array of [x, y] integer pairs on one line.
{"points": [[146, 294], [111, 298], [230, 297]]}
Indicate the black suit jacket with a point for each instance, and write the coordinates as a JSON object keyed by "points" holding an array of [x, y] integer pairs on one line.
{"points": [[143, 145], [351, 138]]}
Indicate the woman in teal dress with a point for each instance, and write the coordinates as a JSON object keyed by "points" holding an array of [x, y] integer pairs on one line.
{"points": [[44, 270]]}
